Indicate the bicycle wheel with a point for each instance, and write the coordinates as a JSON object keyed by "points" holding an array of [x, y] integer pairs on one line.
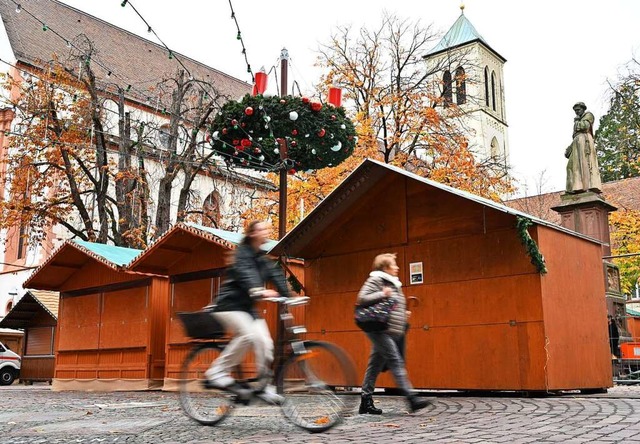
{"points": [[207, 406], [317, 384]]}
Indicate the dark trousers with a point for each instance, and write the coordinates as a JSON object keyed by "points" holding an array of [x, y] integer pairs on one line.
{"points": [[385, 351]]}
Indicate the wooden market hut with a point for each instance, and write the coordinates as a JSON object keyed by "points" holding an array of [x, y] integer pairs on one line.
{"points": [[484, 317], [36, 313], [111, 321], [194, 258]]}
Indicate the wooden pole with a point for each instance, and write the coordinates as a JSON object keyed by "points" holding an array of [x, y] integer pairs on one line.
{"points": [[282, 202]]}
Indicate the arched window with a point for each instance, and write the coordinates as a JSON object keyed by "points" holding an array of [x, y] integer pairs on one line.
{"points": [[495, 148], [486, 85], [9, 306], [447, 92], [461, 86], [493, 90], [211, 211], [164, 137]]}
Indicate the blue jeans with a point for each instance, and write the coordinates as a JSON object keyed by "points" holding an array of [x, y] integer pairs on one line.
{"points": [[385, 350]]}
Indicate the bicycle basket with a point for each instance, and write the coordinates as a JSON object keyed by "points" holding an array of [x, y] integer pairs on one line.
{"points": [[201, 325]]}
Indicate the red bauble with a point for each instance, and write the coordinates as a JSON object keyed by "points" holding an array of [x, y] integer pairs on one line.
{"points": [[292, 171], [293, 144], [239, 148], [322, 132], [248, 111], [282, 101], [257, 150], [305, 100], [333, 117], [245, 142], [234, 122], [294, 132], [224, 131], [316, 106], [235, 142]]}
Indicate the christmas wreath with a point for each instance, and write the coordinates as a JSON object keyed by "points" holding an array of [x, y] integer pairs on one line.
{"points": [[247, 133]]}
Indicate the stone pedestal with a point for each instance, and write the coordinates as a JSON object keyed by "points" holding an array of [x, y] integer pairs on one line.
{"points": [[587, 213]]}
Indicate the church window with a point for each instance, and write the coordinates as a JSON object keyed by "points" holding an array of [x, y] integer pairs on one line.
{"points": [[447, 92], [211, 211], [495, 148], [461, 86], [486, 85], [493, 90]]}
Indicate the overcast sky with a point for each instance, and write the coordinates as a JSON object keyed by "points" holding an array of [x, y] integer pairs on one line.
{"points": [[558, 51]]}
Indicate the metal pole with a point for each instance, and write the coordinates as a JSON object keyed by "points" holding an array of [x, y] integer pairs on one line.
{"points": [[282, 203]]}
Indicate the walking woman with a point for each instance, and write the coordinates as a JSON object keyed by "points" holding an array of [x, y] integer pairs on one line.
{"points": [[383, 283]]}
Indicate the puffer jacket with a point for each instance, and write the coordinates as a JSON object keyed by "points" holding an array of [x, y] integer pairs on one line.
{"points": [[371, 292], [245, 279]]}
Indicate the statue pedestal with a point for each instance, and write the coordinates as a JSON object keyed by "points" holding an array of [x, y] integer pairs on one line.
{"points": [[587, 213]]}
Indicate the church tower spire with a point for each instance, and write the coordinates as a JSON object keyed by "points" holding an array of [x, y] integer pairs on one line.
{"points": [[470, 73]]}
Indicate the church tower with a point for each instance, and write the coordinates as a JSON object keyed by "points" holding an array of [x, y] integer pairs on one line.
{"points": [[470, 74]]}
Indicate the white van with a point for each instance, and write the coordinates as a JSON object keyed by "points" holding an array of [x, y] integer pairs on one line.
{"points": [[9, 365]]}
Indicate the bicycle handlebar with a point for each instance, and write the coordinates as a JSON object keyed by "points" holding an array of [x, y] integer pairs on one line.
{"points": [[289, 301]]}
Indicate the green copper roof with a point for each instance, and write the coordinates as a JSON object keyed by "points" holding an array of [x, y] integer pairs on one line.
{"points": [[461, 32], [633, 312], [115, 255], [231, 236]]}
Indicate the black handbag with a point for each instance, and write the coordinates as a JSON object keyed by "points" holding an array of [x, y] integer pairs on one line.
{"points": [[374, 317]]}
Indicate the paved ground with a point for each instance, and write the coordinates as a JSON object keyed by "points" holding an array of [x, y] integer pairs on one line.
{"points": [[35, 414]]}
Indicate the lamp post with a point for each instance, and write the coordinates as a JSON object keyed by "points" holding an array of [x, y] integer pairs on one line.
{"points": [[282, 200]]}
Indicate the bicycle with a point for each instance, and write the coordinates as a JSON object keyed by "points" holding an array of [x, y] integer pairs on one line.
{"points": [[315, 378]]}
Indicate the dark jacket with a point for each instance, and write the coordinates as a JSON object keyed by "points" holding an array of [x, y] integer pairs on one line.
{"points": [[245, 279]]}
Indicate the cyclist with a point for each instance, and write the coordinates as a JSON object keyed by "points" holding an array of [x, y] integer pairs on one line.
{"points": [[243, 284]]}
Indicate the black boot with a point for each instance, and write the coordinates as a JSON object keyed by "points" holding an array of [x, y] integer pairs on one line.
{"points": [[366, 406], [416, 403]]}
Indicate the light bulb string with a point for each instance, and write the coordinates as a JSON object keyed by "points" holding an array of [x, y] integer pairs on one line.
{"points": [[239, 37], [142, 97]]}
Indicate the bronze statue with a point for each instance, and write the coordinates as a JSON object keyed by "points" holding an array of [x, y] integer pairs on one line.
{"points": [[582, 167]]}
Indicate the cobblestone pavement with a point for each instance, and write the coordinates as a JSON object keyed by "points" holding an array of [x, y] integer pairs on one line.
{"points": [[35, 414]]}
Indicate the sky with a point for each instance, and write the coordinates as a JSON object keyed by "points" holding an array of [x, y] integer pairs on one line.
{"points": [[558, 52]]}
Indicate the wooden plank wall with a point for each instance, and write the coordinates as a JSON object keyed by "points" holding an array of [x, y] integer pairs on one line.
{"points": [[478, 320], [575, 312]]}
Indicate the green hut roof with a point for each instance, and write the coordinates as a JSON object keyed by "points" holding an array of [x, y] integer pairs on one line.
{"points": [[116, 255]]}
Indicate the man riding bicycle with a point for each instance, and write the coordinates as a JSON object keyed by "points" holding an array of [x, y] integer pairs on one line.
{"points": [[244, 283]]}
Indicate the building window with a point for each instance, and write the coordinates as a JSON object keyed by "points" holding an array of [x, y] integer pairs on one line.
{"points": [[486, 86], [461, 86], [21, 247], [164, 137], [211, 211], [447, 92], [495, 149], [9, 306], [493, 90]]}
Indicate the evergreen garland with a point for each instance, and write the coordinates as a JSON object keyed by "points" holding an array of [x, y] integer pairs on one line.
{"points": [[537, 259], [318, 135]]}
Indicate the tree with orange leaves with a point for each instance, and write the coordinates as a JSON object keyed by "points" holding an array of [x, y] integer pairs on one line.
{"points": [[399, 112]]}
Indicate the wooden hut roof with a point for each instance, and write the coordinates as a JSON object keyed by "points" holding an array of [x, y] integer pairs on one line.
{"points": [[73, 255], [360, 182], [181, 240], [33, 302]]}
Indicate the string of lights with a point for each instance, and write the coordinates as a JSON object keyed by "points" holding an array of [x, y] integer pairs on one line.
{"points": [[239, 37], [109, 72], [141, 96]]}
